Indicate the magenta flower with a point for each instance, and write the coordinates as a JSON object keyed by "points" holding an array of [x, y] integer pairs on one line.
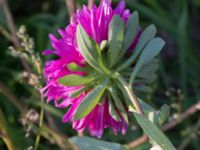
{"points": [[91, 53]]}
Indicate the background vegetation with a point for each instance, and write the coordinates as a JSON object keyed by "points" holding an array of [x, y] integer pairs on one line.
{"points": [[178, 84]]}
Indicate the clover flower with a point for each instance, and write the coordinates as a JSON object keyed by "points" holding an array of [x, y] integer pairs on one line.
{"points": [[104, 59]]}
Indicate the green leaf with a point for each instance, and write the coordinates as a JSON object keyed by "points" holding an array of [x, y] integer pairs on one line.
{"points": [[154, 133], [86, 143], [146, 107], [153, 117], [148, 69], [145, 37], [127, 91], [90, 101], [164, 114], [132, 27], [143, 88], [115, 38], [118, 103], [113, 112], [88, 48], [149, 79], [150, 52], [76, 80], [75, 67], [78, 92]]}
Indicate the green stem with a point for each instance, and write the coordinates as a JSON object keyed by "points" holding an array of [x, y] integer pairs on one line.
{"points": [[130, 93], [37, 141]]}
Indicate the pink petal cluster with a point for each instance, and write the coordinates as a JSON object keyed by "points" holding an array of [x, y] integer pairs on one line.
{"points": [[96, 23]]}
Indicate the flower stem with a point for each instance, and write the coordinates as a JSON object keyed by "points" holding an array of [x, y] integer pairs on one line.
{"points": [[37, 141], [130, 93]]}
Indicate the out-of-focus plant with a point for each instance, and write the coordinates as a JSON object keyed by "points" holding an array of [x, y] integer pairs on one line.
{"points": [[106, 70]]}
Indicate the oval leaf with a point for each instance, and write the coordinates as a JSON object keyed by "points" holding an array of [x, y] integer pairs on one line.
{"points": [[150, 52], [145, 37], [118, 103], [115, 38], [132, 27], [88, 47], [86, 143], [75, 80], [113, 112], [90, 101], [154, 133]]}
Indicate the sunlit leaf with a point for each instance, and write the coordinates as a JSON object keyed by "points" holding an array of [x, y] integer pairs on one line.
{"points": [[154, 133]]}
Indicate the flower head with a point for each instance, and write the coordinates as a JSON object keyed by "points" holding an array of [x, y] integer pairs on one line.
{"points": [[97, 54]]}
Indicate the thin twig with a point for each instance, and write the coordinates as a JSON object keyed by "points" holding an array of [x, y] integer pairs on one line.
{"points": [[12, 29], [90, 4], [192, 110]]}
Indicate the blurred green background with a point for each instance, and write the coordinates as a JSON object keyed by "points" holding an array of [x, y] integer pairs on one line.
{"points": [[178, 85]]}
